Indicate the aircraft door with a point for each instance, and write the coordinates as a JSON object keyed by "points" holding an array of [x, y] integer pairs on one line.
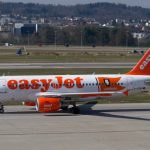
{"points": [[130, 83], [2, 86]]}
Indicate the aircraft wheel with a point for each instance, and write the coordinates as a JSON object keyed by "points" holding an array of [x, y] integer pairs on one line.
{"points": [[75, 110], [2, 109], [64, 108]]}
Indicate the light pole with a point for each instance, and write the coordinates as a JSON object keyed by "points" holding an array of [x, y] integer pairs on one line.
{"points": [[55, 39], [28, 39], [126, 39], [138, 39], [81, 36]]}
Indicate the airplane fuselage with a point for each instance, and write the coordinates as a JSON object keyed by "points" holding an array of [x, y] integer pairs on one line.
{"points": [[24, 88]]}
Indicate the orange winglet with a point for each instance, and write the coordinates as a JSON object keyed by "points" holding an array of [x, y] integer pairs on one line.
{"points": [[126, 93]]}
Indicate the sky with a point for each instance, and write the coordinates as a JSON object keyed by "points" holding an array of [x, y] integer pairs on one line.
{"points": [[143, 3]]}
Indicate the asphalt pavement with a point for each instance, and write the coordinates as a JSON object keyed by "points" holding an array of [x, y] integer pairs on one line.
{"points": [[105, 127], [64, 65]]}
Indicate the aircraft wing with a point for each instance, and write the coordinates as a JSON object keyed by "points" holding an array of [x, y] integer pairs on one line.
{"points": [[82, 95]]}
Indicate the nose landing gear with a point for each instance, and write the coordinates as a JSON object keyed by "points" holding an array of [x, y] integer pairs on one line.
{"points": [[1, 108]]}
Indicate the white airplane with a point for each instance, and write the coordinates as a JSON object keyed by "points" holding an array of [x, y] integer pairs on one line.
{"points": [[50, 93]]}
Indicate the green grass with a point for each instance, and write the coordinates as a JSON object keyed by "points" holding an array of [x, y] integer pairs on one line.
{"points": [[60, 71], [69, 57], [70, 54], [71, 48]]}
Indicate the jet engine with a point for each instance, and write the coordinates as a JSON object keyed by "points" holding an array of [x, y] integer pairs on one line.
{"points": [[47, 105]]}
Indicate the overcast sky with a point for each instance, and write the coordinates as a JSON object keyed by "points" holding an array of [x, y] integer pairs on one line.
{"points": [[143, 3]]}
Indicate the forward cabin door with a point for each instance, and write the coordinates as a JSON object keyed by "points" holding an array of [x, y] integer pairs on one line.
{"points": [[2, 86], [130, 85]]}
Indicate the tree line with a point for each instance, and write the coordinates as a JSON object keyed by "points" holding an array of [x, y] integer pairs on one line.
{"points": [[79, 35]]}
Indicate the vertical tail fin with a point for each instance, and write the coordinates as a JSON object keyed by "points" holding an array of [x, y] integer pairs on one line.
{"points": [[143, 66]]}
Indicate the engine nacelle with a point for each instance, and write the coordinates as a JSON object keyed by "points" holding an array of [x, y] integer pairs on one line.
{"points": [[29, 103], [46, 105]]}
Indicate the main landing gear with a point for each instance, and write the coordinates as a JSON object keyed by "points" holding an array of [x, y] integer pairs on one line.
{"points": [[74, 109], [1, 108]]}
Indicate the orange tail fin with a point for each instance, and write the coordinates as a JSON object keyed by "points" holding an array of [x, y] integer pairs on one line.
{"points": [[143, 66]]}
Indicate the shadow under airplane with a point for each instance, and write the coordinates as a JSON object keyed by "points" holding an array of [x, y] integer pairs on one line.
{"points": [[87, 110]]}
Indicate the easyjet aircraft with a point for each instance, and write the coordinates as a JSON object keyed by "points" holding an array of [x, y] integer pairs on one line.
{"points": [[50, 93]]}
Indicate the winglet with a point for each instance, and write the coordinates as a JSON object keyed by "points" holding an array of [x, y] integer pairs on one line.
{"points": [[126, 93]]}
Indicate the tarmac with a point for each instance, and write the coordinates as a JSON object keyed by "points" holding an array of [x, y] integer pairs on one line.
{"points": [[102, 127], [64, 65]]}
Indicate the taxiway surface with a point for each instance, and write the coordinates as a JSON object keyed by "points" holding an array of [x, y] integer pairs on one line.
{"points": [[64, 65], [106, 127]]}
